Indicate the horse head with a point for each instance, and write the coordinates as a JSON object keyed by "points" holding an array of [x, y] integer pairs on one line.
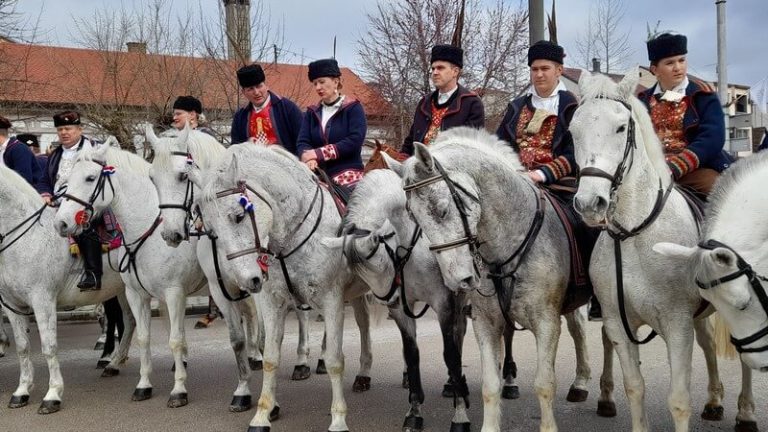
{"points": [[445, 204]]}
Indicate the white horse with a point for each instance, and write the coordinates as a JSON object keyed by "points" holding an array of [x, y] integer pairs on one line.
{"points": [[109, 177], [465, 190], [173, 152], [37, 275], [626, 187], [264, 201], [730, 263]]}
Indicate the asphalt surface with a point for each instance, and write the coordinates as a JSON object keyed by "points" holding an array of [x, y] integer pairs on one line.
{"points": [[92, 403]]}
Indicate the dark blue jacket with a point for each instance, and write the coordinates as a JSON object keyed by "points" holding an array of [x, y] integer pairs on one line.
{"points": [[344, 135], [704, 125], [562, 142], [286, 118], [465, 109], [48, 178], [20, 158]]}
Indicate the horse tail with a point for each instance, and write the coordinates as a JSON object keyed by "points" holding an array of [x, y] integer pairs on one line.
{"points": [[723, 346]]}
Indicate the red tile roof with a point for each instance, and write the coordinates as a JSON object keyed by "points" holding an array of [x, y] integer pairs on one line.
{"points": [[57, 75]]}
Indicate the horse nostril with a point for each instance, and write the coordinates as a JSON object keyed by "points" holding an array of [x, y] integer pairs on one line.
{"points": [[467, 282], [177, 237], [256, 284], [600, 204]]}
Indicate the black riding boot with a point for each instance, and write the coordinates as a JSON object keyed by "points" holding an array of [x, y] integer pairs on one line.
{"points": [[90, 249]]}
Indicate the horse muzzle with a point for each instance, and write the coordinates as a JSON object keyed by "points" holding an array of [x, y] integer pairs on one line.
{"points": [[64, 229], [591, 207], [172, 238]]}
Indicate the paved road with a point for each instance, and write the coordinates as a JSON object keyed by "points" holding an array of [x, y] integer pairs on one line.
{"points": [[97, 404]]}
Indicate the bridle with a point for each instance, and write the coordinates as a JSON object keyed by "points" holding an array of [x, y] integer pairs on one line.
{"points": [[105, 177], [744, 269], [189, 196], [616, 230]]}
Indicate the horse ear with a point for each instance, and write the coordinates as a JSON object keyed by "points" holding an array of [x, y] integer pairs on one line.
{"points": [[152, 139], [195, 175], [392, 164], [422, 154], [628, 84], [184, 135], [584, 79], [100, 151], [673, 250], [231, 167]]}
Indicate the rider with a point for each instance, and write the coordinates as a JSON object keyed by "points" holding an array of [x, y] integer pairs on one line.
{"points": [[60, 163], [267, 117], [15, 155], [450, 105], [34, 145], [536, 125], [333, 131], [686, 114]]}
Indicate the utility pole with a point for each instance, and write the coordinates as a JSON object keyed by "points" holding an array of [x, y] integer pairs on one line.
{"points": [[722, 72], [535, 20]]}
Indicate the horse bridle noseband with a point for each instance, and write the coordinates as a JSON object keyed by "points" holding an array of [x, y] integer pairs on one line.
{"points": [[744, 269]]}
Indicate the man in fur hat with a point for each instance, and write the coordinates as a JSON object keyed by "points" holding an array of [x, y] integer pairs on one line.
{"points": [[16, 155], [450, 105], [267, 117]]}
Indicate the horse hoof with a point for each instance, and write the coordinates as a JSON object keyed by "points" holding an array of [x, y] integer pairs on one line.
{"points": [[274, 414], [200, 325], [240, 403], [320, 369], [712, 412], [178, 400], [110, 372], [577, 395], [99, 346], [461, 427], [259, 429], [141, 394], [173, 368], [447, 390], [413, 424], [101, 364], [361, 384], [301, 372], [510, 392], [255, 365], [18, 401], [745, 426], [49, 407], [606, 409], [406, 383]]}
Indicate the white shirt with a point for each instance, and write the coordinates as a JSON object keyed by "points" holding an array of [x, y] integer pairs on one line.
{"points": [[443, 97], [329, 111], [2, 150], [549, 103], [258, 109], [68, 158], [674, 94]]}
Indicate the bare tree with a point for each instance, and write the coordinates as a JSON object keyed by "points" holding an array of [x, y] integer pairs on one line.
{"points": [[394, 51], [604, 37]]}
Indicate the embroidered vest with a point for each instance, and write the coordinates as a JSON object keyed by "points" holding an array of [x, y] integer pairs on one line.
{"points": [[260, 126], [535, 148], [667, 118], [435, 123]]}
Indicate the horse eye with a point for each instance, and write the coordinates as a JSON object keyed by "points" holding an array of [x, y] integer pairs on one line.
{"points": [[621, 129], [239, 218], [90, 178], [183, 177]]}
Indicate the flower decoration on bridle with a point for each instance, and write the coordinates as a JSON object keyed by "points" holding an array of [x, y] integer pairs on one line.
{"points": [[107, 170], [245, 203]]}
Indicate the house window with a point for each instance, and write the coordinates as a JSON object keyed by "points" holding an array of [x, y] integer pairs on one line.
{"points": [[741, 104]]}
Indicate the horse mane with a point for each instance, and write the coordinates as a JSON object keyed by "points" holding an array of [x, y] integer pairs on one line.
{"points": [[731, 186], [204, 148], [119, 158], [601, 86], [15, 182], [481, 140]]}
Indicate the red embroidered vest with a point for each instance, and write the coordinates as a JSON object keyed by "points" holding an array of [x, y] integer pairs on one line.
{"points": [[434, 125], [667, 118], [535, 149], [260, 126]]}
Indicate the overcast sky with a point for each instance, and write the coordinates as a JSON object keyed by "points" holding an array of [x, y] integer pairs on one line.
{"points": [[310, 26]]}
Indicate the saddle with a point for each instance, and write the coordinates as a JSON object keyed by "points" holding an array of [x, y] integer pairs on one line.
{"points": [[581, 242]]}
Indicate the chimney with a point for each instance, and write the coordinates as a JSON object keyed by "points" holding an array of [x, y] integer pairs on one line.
{"points": [[238, 32], [595, 64], [137, 47]]}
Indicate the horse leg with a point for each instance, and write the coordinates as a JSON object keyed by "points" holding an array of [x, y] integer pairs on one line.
{"points": [[606, 406], [241, 400], [745, 419], [101, 318], [321, 369], [576, 322], [302, 371], [4, 341], [414, 422], [268, 409], [140, 306], [176, 301], [634, 385], [680, 352], [713, 410], [20, 327], [547, 333], [362, 317], [488, 333], [114, 321], [125, 337], [333, 313], [509, 367], [254, 333], [453, 325], [45, 315]]}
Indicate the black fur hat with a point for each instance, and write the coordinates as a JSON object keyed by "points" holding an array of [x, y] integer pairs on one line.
{"points": [[323, 68], [66, 118], [4, 123], [28, 139], [250, 75], [545, 50], [448, 53], [188, 103], [666, 45]]}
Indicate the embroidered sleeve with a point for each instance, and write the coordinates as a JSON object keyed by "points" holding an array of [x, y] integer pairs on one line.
{"points": [[328, 152], [682, 163], [557, 169]]}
